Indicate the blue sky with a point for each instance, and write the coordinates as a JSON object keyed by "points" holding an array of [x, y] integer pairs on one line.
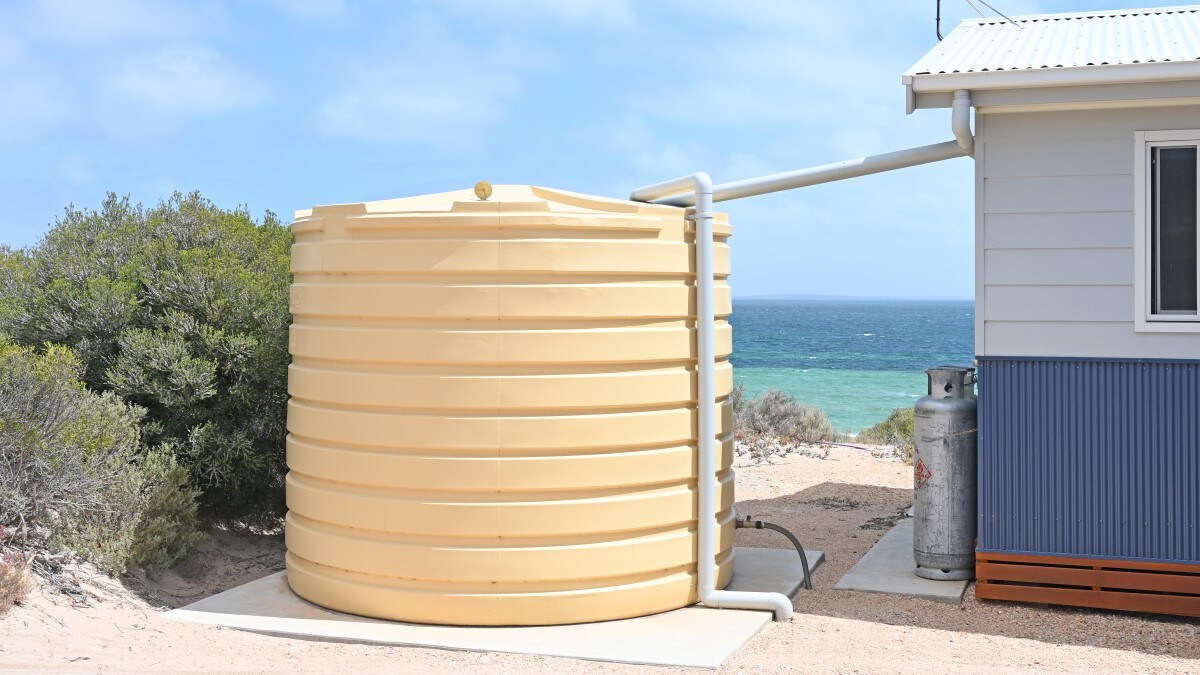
{"points": [[282, 105]]}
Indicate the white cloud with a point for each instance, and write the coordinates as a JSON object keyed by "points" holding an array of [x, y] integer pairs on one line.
{"points": [[85, 22], [11, 49], [76, 170], [127, 68], [156, 92], [591, 13], [192, 80], [35, 99], [430, 89], [34, 104], [308, 10]]}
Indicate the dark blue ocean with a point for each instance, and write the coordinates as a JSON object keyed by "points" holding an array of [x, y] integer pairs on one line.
{"points": [[857, 359]]}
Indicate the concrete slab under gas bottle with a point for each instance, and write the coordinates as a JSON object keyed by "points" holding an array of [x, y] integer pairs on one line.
{"points": [[690, 637], [888, 568]]}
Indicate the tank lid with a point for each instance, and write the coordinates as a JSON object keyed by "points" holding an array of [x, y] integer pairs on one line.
{"points": [[502, 198]]}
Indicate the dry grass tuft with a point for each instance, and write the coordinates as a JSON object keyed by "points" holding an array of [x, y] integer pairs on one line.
{"points": [[14, 579]]}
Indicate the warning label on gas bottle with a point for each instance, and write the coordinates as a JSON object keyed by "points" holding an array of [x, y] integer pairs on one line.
{"points": [[921, 474]]}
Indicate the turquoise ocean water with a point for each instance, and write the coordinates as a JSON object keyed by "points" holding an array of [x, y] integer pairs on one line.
{"points": [[857, 359]]}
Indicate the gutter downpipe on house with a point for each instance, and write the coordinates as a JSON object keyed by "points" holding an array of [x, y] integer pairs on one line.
{"points": [[703, 194]]}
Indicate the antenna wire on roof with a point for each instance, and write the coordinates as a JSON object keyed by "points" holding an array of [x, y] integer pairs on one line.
{"points": [[985, 4]]}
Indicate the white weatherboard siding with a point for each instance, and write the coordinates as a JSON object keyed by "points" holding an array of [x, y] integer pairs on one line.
{"points": [[1055, 258]]}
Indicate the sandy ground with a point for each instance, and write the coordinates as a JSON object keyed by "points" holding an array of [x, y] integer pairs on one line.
{"points": [[841, 504]]}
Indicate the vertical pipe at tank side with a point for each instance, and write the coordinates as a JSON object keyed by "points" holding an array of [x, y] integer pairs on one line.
{"points": [[705, 389], [706, 398]]}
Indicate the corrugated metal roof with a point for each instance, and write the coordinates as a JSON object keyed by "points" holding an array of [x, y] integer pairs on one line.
{"points": [[1078, 40]]}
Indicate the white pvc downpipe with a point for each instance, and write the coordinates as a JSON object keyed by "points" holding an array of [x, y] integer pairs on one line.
{"points": [[706, 484], [960, 121], [962, 145], [702, 197]]}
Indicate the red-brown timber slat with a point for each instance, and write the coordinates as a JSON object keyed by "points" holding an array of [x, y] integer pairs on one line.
{"points": [[1099, 579], [1138, 586], [1060, 561]]}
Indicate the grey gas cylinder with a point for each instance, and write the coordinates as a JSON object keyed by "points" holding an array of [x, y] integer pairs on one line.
{"points": [[944, 476]]}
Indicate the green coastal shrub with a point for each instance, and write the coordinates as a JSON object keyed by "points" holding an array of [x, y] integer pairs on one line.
{"points": [[896, 430], [72, 463], [737, 397], [181, 310], [14, 275], [169, 527]]}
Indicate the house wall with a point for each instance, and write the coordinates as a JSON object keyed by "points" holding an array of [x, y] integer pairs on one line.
{"points": [[1054, 234], [1089, 432], [1090, 458]]}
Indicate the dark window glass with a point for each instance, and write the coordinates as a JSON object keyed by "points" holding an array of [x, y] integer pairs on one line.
{"points": [[1173, 196]]}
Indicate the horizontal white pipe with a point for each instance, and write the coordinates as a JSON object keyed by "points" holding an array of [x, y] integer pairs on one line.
{"points": [[778, 603], [827, 173], [698, 181]]}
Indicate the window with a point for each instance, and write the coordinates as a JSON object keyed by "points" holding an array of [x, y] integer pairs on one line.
{"points": [[1166, 243]]}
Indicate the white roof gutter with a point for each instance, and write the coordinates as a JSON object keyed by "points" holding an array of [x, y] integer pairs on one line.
{"points": [[1125, 73]]}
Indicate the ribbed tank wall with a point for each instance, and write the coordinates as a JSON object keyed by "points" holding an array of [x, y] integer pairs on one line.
{"points": [[493, 409]]}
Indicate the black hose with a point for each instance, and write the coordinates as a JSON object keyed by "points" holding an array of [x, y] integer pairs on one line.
{"points": [[760, 525]]}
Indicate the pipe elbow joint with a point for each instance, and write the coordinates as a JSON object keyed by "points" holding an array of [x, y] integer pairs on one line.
{"points": [[778, 604], [781, 606], [960, 121]]}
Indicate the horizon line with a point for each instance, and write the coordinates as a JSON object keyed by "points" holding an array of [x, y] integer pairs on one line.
{"points": [[822, 296]]}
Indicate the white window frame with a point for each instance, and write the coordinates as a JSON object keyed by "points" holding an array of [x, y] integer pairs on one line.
{"points": [[1144, 321]]}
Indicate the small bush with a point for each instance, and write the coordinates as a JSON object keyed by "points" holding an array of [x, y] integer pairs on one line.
{"points": [[777, 424], [14, 276], [896, 431], [778, 415], [72, 462], [169, 527], [737, 398]]}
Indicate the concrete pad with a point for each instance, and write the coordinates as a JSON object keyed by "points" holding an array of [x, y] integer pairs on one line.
{"points": [[771, 569], [888, 568], [690, 637]]}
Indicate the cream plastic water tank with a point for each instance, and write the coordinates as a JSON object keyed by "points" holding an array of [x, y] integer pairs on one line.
{"points": [[493, 408]]}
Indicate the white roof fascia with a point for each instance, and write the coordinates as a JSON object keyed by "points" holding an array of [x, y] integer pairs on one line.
{"points": [[1057, 77]]}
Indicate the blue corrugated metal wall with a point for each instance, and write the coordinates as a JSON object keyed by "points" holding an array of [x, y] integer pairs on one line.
{"points": [[1082, 457]]}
